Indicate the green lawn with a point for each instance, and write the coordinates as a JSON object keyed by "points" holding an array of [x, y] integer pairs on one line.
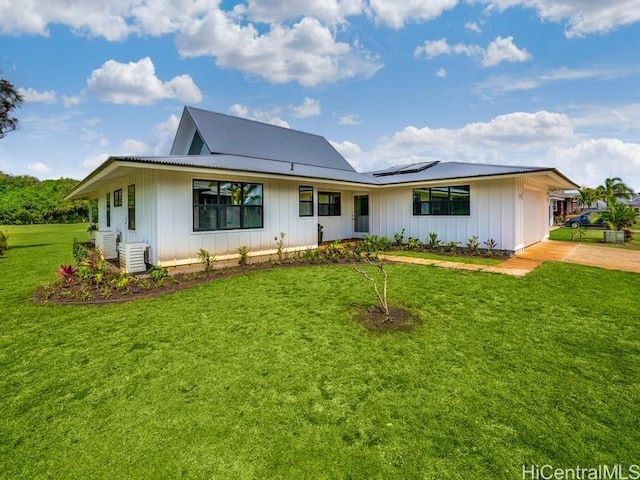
{"points": [[267, 375], [592, 235], [480, 260]]}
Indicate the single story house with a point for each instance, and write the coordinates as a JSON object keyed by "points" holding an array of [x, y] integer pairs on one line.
{"points": [[230, 182]]}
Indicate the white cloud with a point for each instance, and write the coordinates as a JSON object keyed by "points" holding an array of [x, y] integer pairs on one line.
{"points": [[589, 162], [134, 148], [93, 162], [350, 151], [38, 167], [108, 19], [581, 17], [271, 116], [276, 11], [31, 95], [310, 107], [441, 73], [136, 83], [348, 119], [505, 84], [166, 132], [473, 26], [504, 50], [498, 51], [306, 52], [70, 101], [395, 14]]}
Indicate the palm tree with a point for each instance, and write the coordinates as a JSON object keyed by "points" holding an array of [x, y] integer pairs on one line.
{"points": [[587, 196], [612, 190]]}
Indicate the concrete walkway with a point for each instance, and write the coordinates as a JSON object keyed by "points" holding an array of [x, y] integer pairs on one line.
{"points": [[526, 261]]}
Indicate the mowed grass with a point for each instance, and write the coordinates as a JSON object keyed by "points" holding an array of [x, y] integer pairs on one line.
{"points": [[479, 260], [593, 235], [268, 376]]}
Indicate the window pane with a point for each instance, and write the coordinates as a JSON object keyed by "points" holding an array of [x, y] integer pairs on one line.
{"points": [[306, 194], [421, 201], [440, 201], [323, 209], [252, 194], [306, 209], [230, 193], [252, 217], [131, 206], [205, 217], [229, 217], [460, 200]]}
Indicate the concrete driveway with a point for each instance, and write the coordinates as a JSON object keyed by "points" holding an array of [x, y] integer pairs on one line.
{"points": [[611, 258]]}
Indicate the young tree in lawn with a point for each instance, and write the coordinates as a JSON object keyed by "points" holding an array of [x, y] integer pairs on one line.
{"points": [[10, 99]]}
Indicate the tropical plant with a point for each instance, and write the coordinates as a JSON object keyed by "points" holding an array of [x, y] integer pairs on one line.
{"points": [[67, 272], [473, 245], [452, 246], [79, 252], [375, 243], [381, 296], [490, 245], [588, 196], [4, 242], [121, 282], [613, 190], [433, 242], [280, 245], [399, 237], [207, 260], [413, 243], [619, 216], [243, 251], [157, 273]]}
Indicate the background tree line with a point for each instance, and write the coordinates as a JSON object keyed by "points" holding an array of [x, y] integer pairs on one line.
{"points": [[25, 200]]}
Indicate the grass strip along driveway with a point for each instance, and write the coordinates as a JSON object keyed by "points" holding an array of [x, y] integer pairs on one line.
{"points": [[267, 375]]}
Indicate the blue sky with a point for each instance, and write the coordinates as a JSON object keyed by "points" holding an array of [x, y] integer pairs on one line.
{"points": [[521, 82]]}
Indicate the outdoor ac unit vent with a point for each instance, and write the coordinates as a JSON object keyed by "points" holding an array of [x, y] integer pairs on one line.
{"points": [[106, 242], [132, 257]]}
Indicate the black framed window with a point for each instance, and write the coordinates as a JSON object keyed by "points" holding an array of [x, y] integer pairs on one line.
{"points": [[221, 205], [305, 196], [328, 204], [108, 209], [131, 206], [442, 200], [117, 198]]}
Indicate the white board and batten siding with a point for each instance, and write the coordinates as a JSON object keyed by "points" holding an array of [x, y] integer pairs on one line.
{"points": [[146, 208], [179, 244], [492, 214]]}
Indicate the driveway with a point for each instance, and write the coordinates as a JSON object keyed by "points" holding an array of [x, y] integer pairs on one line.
{"points": [[611, 258]]}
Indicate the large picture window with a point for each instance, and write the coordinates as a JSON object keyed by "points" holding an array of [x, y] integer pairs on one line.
{"points": [[219, 205], [441, 201], [328, 204], [305, 196], [131, 206]]}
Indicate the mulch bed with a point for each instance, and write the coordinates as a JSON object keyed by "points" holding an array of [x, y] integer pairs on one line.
{"points": [[373, 319]]}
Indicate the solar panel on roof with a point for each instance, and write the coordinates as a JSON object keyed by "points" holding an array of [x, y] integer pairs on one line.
{"points": [[413, 168]]}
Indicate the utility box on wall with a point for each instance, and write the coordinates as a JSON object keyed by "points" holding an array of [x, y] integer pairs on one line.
{"points": [[132, 257]]}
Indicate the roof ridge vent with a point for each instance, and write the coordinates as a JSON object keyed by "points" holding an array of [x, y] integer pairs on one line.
{"points": [[411, 168]]}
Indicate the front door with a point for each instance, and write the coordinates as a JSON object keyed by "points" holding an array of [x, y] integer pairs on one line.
{"points": [[361, 214]]}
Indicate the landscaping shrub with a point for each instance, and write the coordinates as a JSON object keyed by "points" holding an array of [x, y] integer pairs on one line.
{"points": [[4, 242]]}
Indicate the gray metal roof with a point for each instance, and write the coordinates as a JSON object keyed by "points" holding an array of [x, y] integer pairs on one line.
{"points": [[230, 135], [254, 165], [428, 171]]}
